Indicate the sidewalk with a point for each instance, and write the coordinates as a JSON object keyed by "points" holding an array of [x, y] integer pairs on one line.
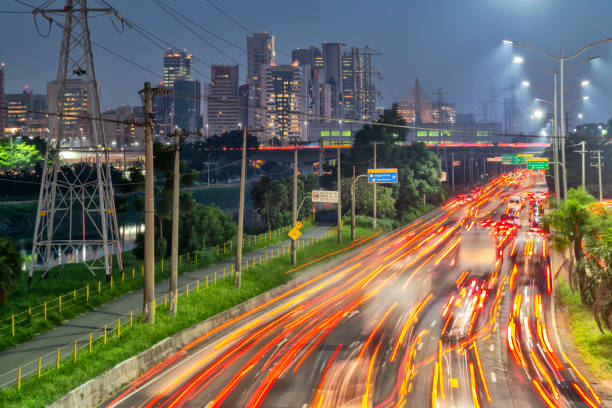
{"points": [[63, 335]]}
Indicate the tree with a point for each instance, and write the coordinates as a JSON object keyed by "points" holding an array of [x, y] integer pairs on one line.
{"points": [[571, 222], [10, 269], [16, 155], [598, 251]]}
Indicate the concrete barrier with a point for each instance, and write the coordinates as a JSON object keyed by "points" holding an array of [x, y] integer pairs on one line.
{"points": [[98, 389]]}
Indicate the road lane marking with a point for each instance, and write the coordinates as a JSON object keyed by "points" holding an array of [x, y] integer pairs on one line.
{"points": [[492, 347], [493, 377], [434, 323], [420, 346]]}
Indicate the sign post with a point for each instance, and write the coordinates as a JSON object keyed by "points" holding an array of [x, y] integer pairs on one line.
{"points": [[324, 196], [509, 159], [382, 175], [537, 163]]}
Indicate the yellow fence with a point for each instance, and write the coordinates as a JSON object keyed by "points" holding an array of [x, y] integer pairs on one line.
{"points": [[63, 303], [105, 334]]}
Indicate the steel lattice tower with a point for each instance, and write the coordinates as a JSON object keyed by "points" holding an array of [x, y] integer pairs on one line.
{"points": [[76, 219], [368, 93]]}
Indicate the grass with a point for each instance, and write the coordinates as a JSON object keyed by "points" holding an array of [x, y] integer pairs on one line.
{"points": [[74, 277], [198, 306], [595, 348]]}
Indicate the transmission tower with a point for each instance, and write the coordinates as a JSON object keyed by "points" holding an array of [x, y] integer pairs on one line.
{"points": [[76, 219], [442, 115], [367, 92]]}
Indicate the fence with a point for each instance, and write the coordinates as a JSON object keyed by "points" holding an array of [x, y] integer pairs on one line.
{"points": [[43, 365], [48, 309]]}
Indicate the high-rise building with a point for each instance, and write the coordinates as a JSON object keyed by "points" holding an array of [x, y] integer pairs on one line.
{"points": [[332, 56], [2, 107], [223, 105], [76, 109], [260, 53], [285, 102], [177, 66], [352, 85], [307, 56], [22, 116], [118, 133], [187, 105]]}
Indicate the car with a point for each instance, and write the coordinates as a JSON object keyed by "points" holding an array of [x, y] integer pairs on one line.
{"points": [[462, 310], [510, 218], [515, 204]]}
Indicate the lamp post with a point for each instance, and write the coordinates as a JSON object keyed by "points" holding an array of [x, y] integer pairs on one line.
{"points": [[561, 59]]}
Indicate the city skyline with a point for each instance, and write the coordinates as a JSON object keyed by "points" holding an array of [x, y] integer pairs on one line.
{"points": [[483, 60]]}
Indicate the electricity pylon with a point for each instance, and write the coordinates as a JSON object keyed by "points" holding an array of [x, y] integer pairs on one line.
{"points": [[76, 219]]}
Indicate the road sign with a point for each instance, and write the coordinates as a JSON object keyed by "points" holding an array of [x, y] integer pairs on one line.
{"points": [[382, 175], [495, 159], [509, 159], [537, 163], [298, 224], [294, 233], [324, 196], [522, 158]]}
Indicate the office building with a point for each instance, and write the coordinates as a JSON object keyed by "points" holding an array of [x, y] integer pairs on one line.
{"points": [[177, 66], [21, 116], [187, 105], [352, 85], [308, 56], [119, 133], [76, 123], [285, 97], [260, 54], [223, 104], [332, 57]]}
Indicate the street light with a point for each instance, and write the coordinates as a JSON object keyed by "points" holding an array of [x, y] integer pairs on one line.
{"points": [[561, 59], [584, 83], [526, 83], [586, 98], [538, 114], [518, 60]]}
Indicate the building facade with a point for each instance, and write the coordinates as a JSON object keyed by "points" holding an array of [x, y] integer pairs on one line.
{"points": [[187, 105], [75, 125], [21, 114], [177, 66], [223, 104], [285, 97], [261, 53]]}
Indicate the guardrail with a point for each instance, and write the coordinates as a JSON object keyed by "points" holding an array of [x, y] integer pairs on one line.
{"points": [[44, 364]]}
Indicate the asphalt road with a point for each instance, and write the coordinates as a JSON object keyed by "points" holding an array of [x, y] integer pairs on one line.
{"points": [[399, 324]]}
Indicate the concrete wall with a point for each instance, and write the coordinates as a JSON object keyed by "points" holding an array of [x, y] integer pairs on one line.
{"points": [[105, 385]]}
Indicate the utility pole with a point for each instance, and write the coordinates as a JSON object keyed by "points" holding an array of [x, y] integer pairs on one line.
{"points": [[562, 107], [599, 166], [556, 140], [353, 205], [148, 308], [175, 222], [374, 187], [339, 199], [583, 153], [453, 172], [294, 210], [241, 206]]}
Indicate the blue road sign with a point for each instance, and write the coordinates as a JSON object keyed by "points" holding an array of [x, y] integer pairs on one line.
{"points": [[382, 175]]}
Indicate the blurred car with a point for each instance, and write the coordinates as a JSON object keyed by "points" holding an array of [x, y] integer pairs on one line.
{"points": [[515, 204], [462, 311], [510, 218]]}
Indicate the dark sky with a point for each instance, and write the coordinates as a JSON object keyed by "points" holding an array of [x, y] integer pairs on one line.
{"points": [[450, 44]]}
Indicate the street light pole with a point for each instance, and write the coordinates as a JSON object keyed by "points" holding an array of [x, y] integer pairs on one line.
{"points": [[556, 139], [148, 310], [175, 228], [562, 107]]}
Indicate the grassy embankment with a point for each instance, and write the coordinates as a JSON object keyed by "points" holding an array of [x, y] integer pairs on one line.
{"points": [[198, 306], [595, 347]]}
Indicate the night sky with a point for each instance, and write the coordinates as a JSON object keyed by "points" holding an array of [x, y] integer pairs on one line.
{"points": [[450, 44]]}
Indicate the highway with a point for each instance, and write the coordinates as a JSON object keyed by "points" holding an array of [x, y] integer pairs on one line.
{"points": [[401, 323]]}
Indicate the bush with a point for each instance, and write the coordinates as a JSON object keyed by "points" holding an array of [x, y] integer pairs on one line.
{"points": [[10, 268]]}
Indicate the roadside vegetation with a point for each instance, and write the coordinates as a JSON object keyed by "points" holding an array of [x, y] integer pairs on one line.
{"points": [[196, 307], [583, 227]]}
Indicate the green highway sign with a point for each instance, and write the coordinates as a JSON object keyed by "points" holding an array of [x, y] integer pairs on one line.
{"points": [[522, 158], [537, 163], [509, 159]]}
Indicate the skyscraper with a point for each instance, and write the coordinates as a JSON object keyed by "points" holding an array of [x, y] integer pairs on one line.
{"points": [[332, 56], [285, 101], [187, 105], [177, 66], [223, 106], [260, 53], [352, 85]]}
